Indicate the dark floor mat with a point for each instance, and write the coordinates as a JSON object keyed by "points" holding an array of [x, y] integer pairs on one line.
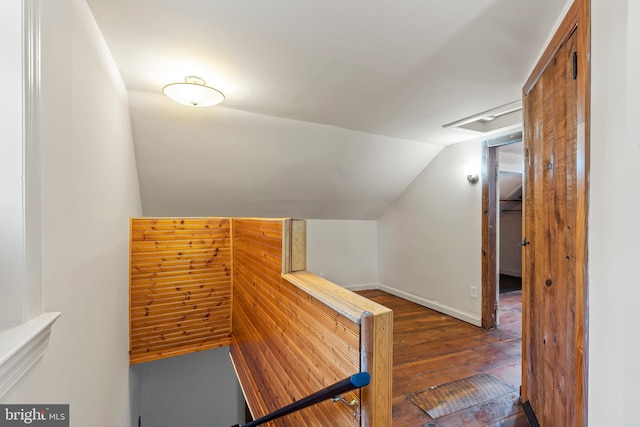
{"points": [[457, 395], [509, 283]]}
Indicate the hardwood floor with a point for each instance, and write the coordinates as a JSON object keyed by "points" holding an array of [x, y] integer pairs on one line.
{"points": [[431, 349]]}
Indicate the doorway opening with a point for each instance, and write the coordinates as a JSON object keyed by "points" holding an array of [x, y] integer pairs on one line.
{"points": [[503, 164], [509, 186], [509, 218]]}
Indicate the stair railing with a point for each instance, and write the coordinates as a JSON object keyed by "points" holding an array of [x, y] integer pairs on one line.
{"points": [[332, 392]]}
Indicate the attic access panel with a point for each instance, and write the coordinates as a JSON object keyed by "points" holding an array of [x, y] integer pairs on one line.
{"points": [[508, 116]]}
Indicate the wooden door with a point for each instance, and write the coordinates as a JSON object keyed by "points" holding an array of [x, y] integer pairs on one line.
{"points": [[553, 231]]}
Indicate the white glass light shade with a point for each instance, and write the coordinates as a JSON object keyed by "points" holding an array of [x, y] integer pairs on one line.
{"points": [[193, 92]]}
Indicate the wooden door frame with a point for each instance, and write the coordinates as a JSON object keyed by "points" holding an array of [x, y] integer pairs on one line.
{"points": [[490, 226], [578, 19]]}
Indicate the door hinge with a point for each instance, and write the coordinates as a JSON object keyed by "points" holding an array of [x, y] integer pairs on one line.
{"points": [[495, 305], [575, 65]]}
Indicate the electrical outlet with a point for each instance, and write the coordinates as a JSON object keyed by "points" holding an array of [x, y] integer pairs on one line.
{"points": [[321, 275], [474, 292]]}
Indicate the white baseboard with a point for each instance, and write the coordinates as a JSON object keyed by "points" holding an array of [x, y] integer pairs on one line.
{"points": [[363, 287], [465, 316], [509, 272]]}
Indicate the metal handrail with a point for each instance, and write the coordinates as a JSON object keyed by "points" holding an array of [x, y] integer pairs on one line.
{"points": [[356, 381]]}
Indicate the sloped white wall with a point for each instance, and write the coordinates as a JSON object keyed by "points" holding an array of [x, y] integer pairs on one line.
{"points": [[429, 241], [343, 251], [614, 276], [89, 189], [223, 162]]}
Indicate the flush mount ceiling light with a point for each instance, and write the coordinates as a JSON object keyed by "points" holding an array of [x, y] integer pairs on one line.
{"points": [[193, 92], [496, 119]]}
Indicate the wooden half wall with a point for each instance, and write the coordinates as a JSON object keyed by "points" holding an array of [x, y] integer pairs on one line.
{"points": [[291, 333]]}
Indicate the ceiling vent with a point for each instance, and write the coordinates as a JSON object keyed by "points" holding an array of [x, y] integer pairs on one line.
{"points": [[506, 117]]}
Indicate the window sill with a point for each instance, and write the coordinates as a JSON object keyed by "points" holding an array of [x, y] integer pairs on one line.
{"points": [[21, 346]]}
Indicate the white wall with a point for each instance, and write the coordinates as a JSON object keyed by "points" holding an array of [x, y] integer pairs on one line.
{"points": [[429, 241], [344, 251], [11, 173], [197, 390], [510, 231], [509, 219], [89, 189], [614, 277], [510, 162]]}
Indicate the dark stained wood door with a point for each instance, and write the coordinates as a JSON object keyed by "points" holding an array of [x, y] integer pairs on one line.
{"points": [[551, 257]]}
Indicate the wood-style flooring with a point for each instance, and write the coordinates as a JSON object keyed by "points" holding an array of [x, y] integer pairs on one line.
{"points": [[430, 349]]}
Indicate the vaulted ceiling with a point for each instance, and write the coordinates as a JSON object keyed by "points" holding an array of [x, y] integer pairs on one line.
{"points": [[332, 108]]}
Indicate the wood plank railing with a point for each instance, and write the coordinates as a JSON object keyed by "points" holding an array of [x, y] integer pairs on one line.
{"points": [[294, 333], [374, 325]]}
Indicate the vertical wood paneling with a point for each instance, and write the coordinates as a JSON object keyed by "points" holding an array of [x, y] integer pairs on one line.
{"points": [[298, 245], [377, 359], [180, 286], [489, 236], [554, 287], [583, 138]]}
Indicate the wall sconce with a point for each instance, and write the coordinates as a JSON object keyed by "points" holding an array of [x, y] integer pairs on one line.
{"points": [[193, 92], [471, 172]]}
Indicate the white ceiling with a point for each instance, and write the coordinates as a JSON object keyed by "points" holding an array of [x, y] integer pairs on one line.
{"points": [[399, 69]]}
